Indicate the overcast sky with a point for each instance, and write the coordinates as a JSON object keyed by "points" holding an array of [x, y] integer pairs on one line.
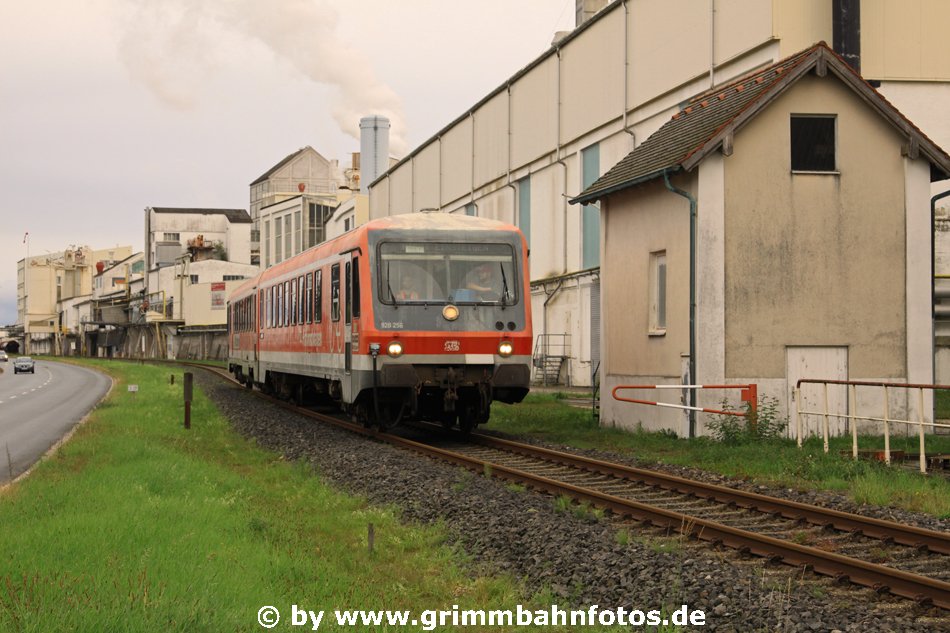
{"points": [[111, 106]]}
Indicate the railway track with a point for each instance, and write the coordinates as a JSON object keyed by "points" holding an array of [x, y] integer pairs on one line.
{"points": [[886, 556]]}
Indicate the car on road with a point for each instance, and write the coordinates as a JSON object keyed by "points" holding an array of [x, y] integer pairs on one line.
{"points": [[23, 364], [3, 356]]}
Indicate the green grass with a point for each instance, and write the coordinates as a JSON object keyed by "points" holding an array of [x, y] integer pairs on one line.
{"points": [[777, 462], [138, 525]]}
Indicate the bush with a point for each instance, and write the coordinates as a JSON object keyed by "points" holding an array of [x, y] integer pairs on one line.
{"points": [[763, 425]]}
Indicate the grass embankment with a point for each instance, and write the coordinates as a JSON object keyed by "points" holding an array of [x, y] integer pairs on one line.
{"points": [[138, 525], [549, 418]]}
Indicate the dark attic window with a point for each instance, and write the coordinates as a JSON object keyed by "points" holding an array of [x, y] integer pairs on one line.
{"points": [[813, 143]]}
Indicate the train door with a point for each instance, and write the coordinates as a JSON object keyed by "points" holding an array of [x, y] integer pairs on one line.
{"points": [[352, 310], [336, 320]]}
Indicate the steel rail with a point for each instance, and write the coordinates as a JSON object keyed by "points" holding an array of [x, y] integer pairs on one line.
{"points": [[937, 542], [843, 568]]}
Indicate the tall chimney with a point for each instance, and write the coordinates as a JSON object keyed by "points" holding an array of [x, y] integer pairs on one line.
{"points": [[846, 31], [374, 149]]}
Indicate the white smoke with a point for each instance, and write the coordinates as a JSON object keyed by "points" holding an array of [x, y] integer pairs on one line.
{"points": [[170, 47]]}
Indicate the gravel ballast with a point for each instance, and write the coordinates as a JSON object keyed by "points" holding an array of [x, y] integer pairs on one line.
{"points": [[579, 559]]}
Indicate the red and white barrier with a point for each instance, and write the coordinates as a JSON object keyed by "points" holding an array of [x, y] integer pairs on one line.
{"points": [[748, 394]]}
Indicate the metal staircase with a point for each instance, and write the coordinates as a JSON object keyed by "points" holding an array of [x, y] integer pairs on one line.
{"points": [[551, 352]]}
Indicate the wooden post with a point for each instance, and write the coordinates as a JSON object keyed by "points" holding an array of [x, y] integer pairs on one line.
{"points": [[189, 380], [370, 537]]}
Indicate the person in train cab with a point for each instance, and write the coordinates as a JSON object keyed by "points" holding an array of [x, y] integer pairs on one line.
{"points": [[408, 289], [485, 281]]}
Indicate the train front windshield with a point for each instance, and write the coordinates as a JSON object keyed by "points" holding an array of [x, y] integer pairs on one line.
{"points": [[447, 272]]}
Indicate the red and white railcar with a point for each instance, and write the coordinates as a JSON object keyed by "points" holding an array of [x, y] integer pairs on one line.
{"points": [[418, 316]]}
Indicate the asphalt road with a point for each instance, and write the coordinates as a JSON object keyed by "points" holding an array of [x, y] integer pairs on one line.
{"points": [[38, 409]]}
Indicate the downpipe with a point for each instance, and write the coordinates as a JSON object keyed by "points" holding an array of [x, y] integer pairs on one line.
{"points": [[692, 295]]}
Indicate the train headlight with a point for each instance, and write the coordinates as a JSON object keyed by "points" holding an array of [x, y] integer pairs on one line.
{"points": [[505, 348], [450, 312], [394, 349]]}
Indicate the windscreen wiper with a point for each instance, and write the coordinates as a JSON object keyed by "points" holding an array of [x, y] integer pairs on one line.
{"points": [[504, 281], [389, 286]]}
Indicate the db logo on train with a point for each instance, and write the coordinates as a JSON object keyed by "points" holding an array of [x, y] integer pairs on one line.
{"points": [[452, 346]]}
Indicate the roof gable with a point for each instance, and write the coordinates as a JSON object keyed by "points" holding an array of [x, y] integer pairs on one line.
{"points": [[711, 118], [286, 161]]}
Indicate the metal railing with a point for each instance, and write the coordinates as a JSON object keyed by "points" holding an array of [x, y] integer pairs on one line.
{"points": [[853, 417], [748, 394], [550, 352]]}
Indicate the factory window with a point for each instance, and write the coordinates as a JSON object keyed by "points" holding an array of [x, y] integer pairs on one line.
{"points": [[335, 292], [813, 143], [297, 233], [234, 277], [658, 293], [288, 237], [590, 227], [524, 207], [266, 243], [171, 237]]}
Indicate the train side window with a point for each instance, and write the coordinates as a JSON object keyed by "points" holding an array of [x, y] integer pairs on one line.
{"points": [[293, 302], [309, 306], [356, 287], [318, 297], [335, 292], [261, 315], [348, 302], [286, 304], [301, 304]]}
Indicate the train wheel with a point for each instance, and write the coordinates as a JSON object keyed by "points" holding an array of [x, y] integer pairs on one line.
{"points": [[468, 418], [448, 420]]}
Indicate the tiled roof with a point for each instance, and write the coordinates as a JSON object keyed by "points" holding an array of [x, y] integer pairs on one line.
{"points": [[235, 216], [705, 122]]}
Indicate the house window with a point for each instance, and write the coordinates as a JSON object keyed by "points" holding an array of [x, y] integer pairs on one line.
{"points": [[470, 209], [658, 293], [813, 143], [171, 237], [234, 277], [194, 279], [347, 224], [278, 252]]}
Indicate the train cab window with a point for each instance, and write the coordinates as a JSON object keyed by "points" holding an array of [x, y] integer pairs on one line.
{"points": [[309, 306], [347, 305], [447, 272], [356, 287], [318, 297], [335, 292]]}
